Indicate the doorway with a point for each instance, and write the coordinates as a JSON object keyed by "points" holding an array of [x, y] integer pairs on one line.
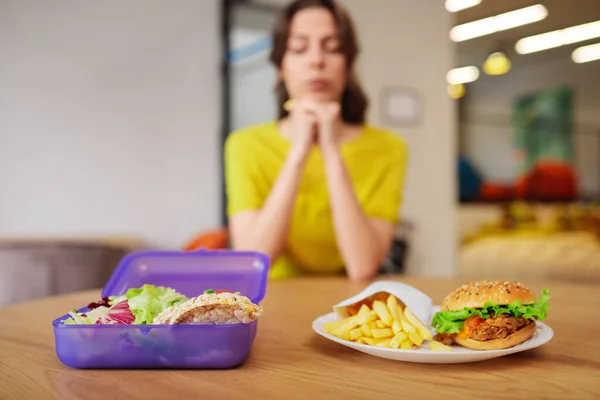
{"points": [[248, 77]]}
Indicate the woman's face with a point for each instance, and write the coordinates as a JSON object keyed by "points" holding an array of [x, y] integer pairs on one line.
{"points": [[313, 66]]}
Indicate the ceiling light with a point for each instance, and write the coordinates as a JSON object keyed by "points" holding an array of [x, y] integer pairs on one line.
{"points": [[586, 53], [456, 91], [457, 5], [462, 75], [561, 37], [497, 23], [497, 64]]}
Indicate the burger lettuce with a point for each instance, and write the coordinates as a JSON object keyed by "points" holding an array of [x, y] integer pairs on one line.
{"points": [[452, 321]]}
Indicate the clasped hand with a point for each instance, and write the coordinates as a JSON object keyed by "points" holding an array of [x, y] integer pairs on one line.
{"points": [[315, 123]]}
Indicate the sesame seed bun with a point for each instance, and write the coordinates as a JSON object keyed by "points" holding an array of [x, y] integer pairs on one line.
{"points": [[476, 294], [516, 338]]}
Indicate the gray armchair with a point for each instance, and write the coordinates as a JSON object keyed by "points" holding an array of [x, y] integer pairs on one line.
{"points": [[31, 269]]}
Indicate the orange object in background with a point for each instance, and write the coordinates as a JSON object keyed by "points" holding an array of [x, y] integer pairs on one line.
{"points": [[496, 192], [210, 240], [548, 181]]}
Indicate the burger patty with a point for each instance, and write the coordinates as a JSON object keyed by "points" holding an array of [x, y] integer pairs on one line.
{"points": [[445, 338], [499, 327]]}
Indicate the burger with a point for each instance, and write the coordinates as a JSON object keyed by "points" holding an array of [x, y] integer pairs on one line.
{"points": [[489, 315]]}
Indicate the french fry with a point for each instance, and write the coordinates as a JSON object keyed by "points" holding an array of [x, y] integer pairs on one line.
{"points": [[344, 330], [416, 338], [364, 310], [406, 345], [400, 313], [343, 335], [438, 346], [412, 318], [366, 331], [400, 308], [374, 342], [407, 327], [396, 327], [392, 305], [355, 334], [384, 343], [330, 326], [382, 333], [382, 312], [368, 317], [398, 339], [387, 323]]}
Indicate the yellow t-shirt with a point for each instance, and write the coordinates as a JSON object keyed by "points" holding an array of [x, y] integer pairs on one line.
{"points": [[376, 163]]}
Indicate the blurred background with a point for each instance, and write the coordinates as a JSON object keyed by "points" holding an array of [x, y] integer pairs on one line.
{"points": [[113, 117]]}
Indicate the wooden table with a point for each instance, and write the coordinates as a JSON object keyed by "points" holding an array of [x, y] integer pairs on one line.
{"points": [[290, 361]]}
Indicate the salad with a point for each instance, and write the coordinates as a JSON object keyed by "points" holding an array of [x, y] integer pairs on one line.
{"points": [[151, 304], [136, 306]]}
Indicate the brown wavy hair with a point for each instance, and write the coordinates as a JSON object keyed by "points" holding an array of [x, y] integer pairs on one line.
{"points": [[354, 102]]}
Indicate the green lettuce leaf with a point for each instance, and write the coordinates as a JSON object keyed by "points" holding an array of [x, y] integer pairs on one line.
{"points": [[148, 301], [453, 321]]}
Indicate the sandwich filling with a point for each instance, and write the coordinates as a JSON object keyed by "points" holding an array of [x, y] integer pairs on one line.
{"points": [[480, 329], [219, 307]]}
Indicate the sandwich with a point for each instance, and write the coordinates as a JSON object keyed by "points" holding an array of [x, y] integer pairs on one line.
{"points": [[220, 307], [489, 315]]}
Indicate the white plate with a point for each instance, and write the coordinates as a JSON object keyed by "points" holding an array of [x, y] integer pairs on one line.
{"points": [[458, 354]]}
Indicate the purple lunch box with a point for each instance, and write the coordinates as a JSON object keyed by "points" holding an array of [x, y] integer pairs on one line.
{"points": [[169, 346]]}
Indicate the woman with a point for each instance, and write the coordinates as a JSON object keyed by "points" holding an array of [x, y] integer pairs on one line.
{"points": [[318, 190]]}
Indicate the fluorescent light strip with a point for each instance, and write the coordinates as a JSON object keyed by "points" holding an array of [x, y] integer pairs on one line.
{"points": [[586, 53], [458, 5], [497, 23], [561, 37], [462, 75]]}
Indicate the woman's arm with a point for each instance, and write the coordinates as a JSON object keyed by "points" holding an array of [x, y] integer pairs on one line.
{"points": [[364, 242], [265, 230]]}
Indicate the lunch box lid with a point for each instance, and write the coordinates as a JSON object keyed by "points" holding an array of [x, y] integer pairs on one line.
{"points": [[192, 272]]}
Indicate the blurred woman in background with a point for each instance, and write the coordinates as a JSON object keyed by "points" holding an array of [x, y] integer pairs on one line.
{"points": [[319, 189]]}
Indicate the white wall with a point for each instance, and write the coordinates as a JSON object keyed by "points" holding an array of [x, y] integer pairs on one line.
{"points": [[405, 43], [109, 118], [489, 135]]}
